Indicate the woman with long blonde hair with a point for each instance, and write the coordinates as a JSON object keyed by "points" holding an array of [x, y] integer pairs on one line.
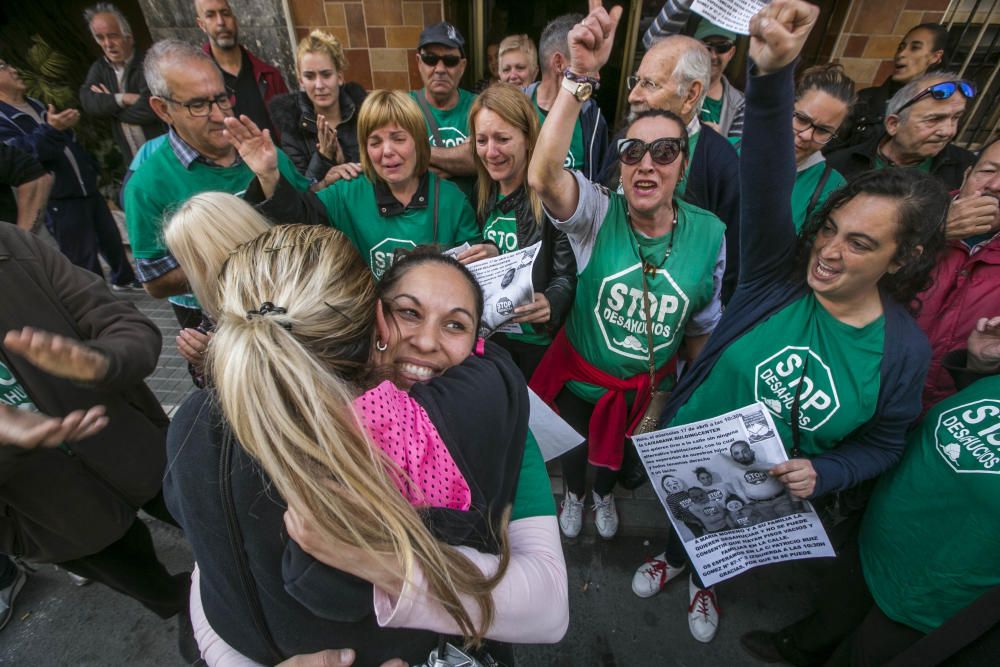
{"points": [[505, 127], [297, 318]]}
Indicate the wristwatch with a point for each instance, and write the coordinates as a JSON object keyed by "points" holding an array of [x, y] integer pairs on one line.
{"points": [[582, 87]]}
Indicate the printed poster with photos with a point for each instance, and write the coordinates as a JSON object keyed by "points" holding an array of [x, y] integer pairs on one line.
{"points": [[506, 283], [711, 477]]}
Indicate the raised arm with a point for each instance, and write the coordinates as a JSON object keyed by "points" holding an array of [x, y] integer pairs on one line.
{"points": [[767, 162], [590, 44]]}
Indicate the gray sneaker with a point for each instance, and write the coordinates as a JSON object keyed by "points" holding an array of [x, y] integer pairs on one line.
{"points": [[7, 597]]}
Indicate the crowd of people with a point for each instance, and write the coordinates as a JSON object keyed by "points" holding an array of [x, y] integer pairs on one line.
{"points": [[355, 470]]}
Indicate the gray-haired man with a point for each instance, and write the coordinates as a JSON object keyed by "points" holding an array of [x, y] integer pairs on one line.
{"points": [[115, 87]]}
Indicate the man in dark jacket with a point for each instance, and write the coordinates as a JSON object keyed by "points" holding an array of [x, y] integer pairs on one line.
{"points": [[70, 485], [712, 181], [251, 81], [115, 87], [23, 174], [78, 216], [553, 51], [919, 129]]}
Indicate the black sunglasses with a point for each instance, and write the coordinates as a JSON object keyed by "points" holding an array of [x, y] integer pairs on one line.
{"points": [[663, 151], [942, 91], [720, 46], [432, 59]]}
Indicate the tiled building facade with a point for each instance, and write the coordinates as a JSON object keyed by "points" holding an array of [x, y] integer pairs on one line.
{"points": [[379, 36], [873, 30]]}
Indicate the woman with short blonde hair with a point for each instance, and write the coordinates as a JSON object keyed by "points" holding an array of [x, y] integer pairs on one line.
{"points": [[518, 60]]}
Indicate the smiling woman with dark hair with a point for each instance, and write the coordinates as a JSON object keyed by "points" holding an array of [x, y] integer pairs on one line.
{"points": [[819, 329]]}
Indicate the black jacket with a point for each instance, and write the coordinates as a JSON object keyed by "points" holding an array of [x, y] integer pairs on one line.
{"points": [[294, 117], [866, 118], [308, 606], [104, 105], [948, 166], [554, 273]]}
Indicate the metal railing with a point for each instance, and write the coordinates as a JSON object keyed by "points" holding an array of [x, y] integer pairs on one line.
{"points": [[974, 50]]}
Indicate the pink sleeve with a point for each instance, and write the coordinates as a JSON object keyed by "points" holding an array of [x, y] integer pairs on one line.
{"points": [[214, 650], [532, 598], [401, 428]]}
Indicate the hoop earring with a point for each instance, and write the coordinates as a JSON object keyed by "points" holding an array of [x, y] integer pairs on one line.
{"points": [[380, 346]]}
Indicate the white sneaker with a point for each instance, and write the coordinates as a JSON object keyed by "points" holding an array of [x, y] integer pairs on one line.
{"points": [[703, 613], [605, 515], [653, 575], [571, 515]]}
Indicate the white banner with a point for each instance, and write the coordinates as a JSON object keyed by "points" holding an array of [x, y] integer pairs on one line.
{"points": [[732, 15], [711, 477]]}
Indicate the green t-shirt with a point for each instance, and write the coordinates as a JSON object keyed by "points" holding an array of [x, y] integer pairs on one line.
{"points": [[924, 166], [453, 123], [533, 496], [806, 182], [501, 228], [162, 184], [607, 325], [12, 394], [351, 207], [711, 110], [842, 375], [929, 540], [576, 156]]}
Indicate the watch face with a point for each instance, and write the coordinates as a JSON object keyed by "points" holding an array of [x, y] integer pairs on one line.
{"points": [[584, 91]]}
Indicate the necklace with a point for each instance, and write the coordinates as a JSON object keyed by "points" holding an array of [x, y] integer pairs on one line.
{"points": [[648, 267]]}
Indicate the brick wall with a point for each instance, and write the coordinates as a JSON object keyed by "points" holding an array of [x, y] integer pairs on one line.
{"points": [[379, 36], [873, 30]]}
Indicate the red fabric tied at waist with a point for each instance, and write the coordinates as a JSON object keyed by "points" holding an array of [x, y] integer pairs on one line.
{"points": [[611, 419]]}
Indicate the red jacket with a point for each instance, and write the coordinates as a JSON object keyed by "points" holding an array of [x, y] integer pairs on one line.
{"points": [[965, 288]]}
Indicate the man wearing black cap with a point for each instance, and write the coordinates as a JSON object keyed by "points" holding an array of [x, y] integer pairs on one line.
{"points": [[441, 61]]}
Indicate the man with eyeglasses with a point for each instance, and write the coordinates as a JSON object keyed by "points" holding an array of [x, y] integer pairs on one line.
{"points": [[77, 214], [674, 75], [189, 95], [441, 62], [921, 121], [115, 88], [723, 106], [250, 80], [589, 145]]}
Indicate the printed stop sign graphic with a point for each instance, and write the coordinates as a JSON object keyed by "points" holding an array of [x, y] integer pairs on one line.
{"points": [[622, 320], [383, 254], [968, 436], [777, 380]]}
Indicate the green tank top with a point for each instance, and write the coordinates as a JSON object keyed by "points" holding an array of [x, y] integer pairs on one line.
{"points": [[607, 325], [501, 228], [838, 365]]}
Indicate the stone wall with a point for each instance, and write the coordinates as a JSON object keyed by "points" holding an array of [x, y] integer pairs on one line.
{"points": [[262, 23], [379, 36], [873, 30]]}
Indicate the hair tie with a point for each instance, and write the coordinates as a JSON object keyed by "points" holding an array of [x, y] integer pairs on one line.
{"points": [[268, 308]]}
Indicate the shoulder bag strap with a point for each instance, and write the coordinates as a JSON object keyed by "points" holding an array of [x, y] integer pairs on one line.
{"points": [[819, 189], [429, 116], [247, 582]]}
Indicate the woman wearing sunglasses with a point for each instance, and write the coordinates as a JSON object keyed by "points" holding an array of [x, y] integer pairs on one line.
{"points": [[921, 122], [645, 246], [504, 125], [819, 328], [390, 202]]}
